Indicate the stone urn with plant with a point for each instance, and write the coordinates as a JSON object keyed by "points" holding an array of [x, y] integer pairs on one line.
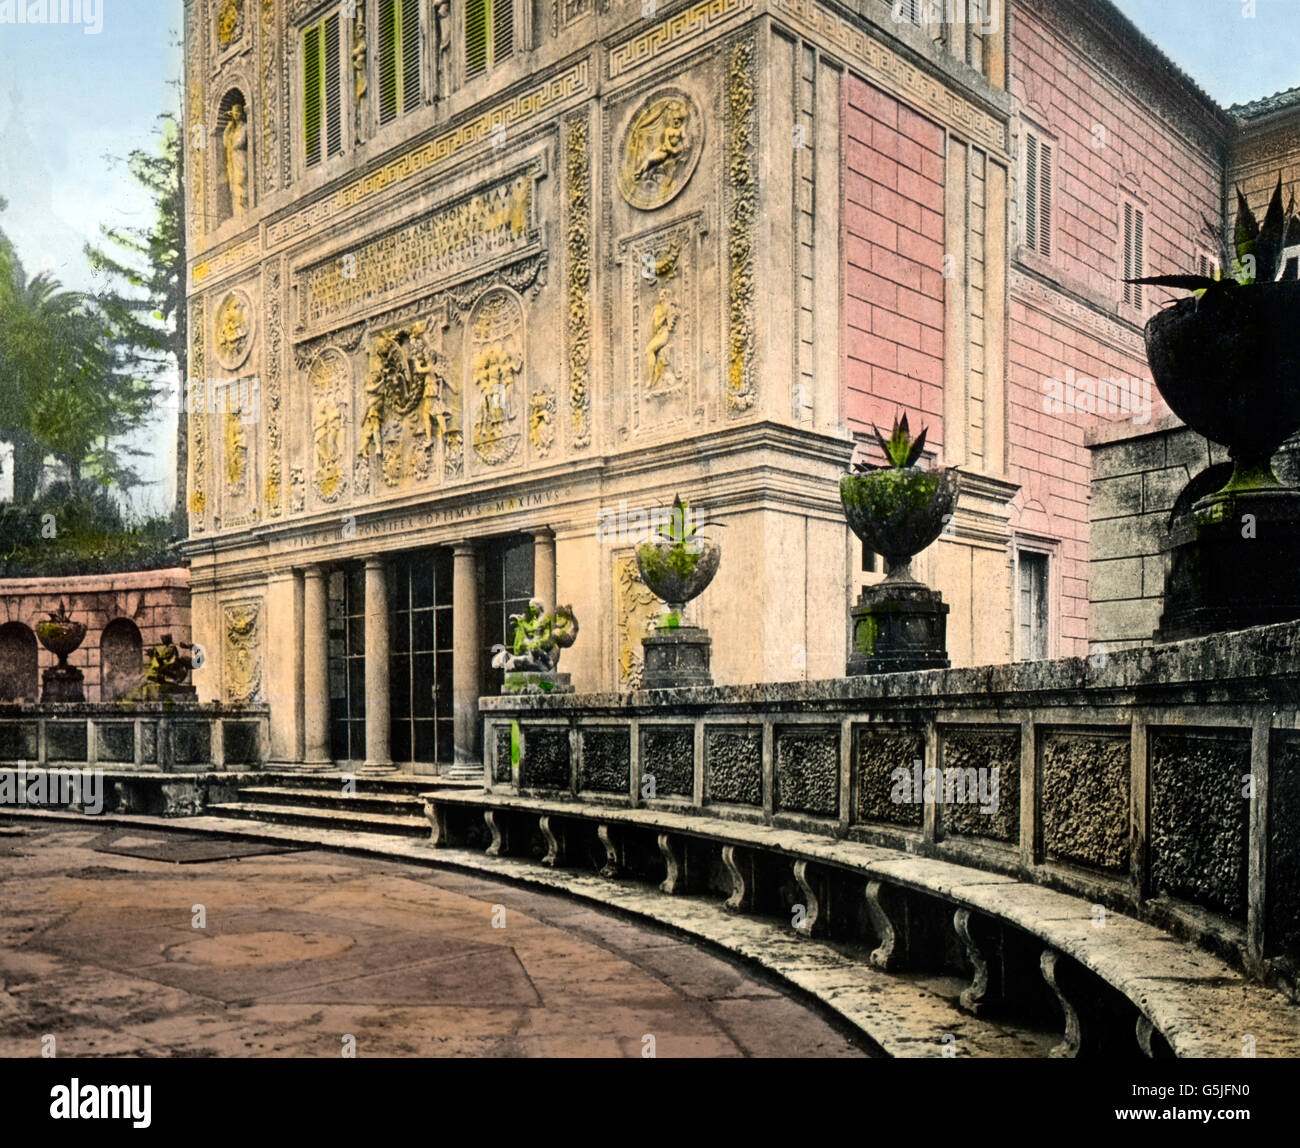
{"points": [[897, 510], [62, 636], [677, 565], [1226, 359]]}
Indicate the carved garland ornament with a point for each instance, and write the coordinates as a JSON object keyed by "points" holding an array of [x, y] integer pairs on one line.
{"points": [[742, 182], [271, 279], [198, 404], [635, 609], [269, 101], [579, 256]]}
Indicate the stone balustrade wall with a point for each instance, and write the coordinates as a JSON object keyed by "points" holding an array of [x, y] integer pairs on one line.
{"points": [[1162, 782]]}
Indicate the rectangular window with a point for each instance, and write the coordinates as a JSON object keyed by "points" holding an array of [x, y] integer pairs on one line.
{"points": [[1038, 194], [489, 34], [507, 588], [1033, 606], [322, 90], [420, 657], [347, 663], [399, 58], [1134, 258]]}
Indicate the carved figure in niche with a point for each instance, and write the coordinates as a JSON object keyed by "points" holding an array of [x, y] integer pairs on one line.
{"points": [[235, 140], [236, 435], [659, 153], [230, 22], [541, 432], [359, 51], [663, 318], [496, 366], [406, 379], [233, 330], [328, 433], [443, 15]]}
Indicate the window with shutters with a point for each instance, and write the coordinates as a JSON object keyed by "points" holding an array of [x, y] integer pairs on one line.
{"points": [[1134, 252], [1032, 605], [322, 89], [399, 58], [1207, 266], [1039, 177], [489, 34]]}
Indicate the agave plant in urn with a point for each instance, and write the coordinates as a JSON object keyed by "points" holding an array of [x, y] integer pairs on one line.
{"points": [[1227, 361], [677, 566], [897, 510]]}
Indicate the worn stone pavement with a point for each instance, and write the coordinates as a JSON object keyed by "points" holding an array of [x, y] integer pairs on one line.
{"points": [[300, 950]]}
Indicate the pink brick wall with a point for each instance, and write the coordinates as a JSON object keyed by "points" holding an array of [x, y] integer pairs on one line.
{"points": [[1062, 93], [893, 244], [157, 601]]}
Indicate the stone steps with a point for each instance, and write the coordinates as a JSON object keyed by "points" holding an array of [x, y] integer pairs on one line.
{"points": [[317, 797], [320, 817]]}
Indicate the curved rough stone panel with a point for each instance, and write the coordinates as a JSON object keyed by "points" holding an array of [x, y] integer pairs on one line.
{"points": [[1200, 819], [992, 808], [545, 759], [877, 755], [1084, 798], [808, 771], [668, 755], [1282, 930], [501, 770], [733, 765], [606, 761]]}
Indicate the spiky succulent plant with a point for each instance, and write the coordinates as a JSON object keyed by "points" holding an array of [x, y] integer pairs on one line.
{"points": [[900, 448], [1258, 248]]}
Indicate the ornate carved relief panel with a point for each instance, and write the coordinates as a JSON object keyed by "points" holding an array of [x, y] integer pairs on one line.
{"points": [[242, 650]]}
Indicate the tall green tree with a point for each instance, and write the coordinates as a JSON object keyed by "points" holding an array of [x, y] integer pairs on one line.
{"points": [[145, 299], [62, 388]]}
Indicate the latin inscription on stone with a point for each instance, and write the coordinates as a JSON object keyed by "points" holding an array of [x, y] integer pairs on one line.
{"points": [[467, 235]]}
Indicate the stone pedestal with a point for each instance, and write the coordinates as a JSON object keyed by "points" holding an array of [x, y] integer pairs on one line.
{"points": [[1233, 564], [898, 625], [63, 684], [675, 658], [536, 682]]}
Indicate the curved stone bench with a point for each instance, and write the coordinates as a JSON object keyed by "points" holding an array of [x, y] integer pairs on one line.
{"points": [[1173, 998]]}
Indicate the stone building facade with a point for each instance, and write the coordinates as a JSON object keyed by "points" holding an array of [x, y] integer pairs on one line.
{"points": [[477, 284]]}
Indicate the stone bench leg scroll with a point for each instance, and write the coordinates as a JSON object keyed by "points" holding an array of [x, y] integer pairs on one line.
{"points": [[552, 857], [1069, 1047], [672, 882], [805, 925], [498, 835], [741, 894], [889, 951], [972, 997], [438, 822], [610, 868]]}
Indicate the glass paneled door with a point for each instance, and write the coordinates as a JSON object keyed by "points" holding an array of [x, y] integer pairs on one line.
{"points": [[421, 658]]}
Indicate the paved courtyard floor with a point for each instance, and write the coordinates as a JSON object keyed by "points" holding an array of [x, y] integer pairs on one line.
{"points": [[126, 942]]}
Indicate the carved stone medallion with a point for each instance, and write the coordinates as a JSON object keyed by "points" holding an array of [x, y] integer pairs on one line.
{"points": [[331, 386], [230, 23], [660, 150], [233, 334], [243, 654]]}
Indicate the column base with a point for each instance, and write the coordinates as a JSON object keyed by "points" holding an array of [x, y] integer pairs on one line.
{"points": [[302, 766], [377, 769]]}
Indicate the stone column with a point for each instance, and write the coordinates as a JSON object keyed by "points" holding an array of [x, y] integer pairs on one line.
{"points": [[315, 658], [467, 642], [378, 754], [284, 666], [544, 567]]}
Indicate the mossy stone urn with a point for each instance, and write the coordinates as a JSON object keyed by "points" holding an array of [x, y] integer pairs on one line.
{"points": [[897, 511], [1227, 362], [62, 636], [677, 566]]}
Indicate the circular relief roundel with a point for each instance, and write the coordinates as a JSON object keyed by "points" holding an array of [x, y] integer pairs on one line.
{"points": [[233, 330], [660, 150]]}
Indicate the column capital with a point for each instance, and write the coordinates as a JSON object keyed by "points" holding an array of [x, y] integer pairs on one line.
{"points": [[376, 561], [465, 548], [317, 570], [541, 533]]}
